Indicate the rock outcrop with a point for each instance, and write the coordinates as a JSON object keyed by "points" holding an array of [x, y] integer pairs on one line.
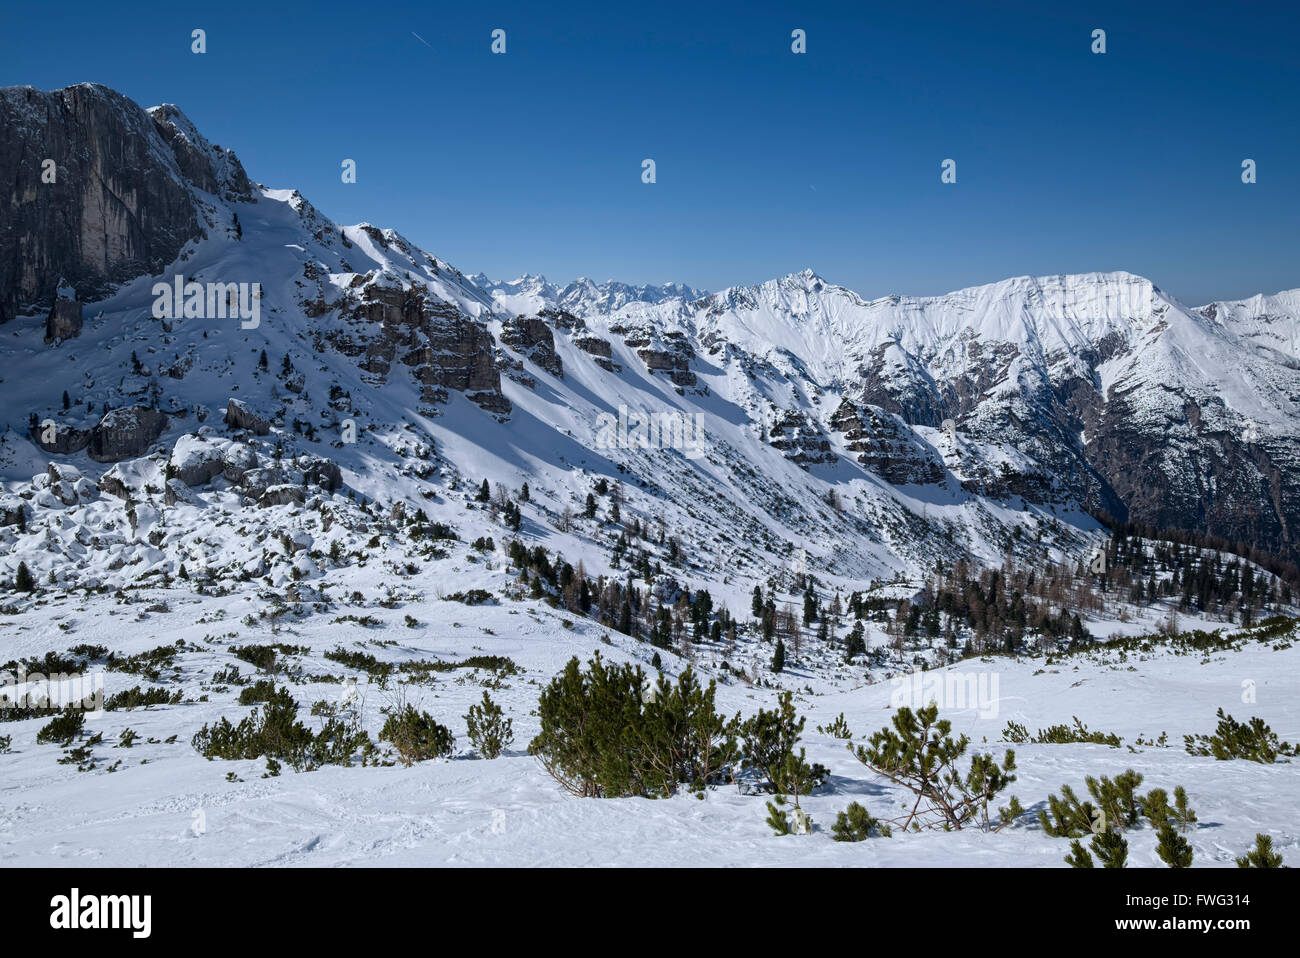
{"points": [[64, 319], [94, 194], [125, 433]]}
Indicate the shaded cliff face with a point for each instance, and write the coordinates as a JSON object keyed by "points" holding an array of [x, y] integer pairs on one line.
{"points": [[98, 191]]}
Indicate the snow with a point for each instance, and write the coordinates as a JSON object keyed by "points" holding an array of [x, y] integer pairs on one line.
{"points": [[179, 809], [104, 539]]}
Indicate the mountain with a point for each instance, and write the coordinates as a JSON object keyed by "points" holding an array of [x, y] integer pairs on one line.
{"points": [[302, 496], [793, 421], [584, 298]]}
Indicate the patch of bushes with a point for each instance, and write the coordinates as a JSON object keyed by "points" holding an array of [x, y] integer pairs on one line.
{"points": [[606, 734], [148, 665], [1117, 807], [767, 743], [1017, 734], [855, 825], [264, 690], [139, 697], [1255, 742], [361, 661], [472, 597], [416, 736], [273, 731], [1262, 855], [63, 728]]}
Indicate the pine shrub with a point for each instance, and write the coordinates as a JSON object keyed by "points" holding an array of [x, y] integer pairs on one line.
{"points": [[920, 754], [601, 737], [1255, 741], [768, 741], [490, 732], [854, 824], [416, 736], [63, 728], [1262, 855]]}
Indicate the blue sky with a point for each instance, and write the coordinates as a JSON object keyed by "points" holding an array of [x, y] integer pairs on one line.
{"points": [[767, 161]]}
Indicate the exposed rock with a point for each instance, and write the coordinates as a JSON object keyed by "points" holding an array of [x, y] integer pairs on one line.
{"points": [[240, 416], [445, 348], [126, 433], [208, 167], [802, 441], [237, 460], [321, 472], [281, 495], [128, 480], [600, 350], [673, 356], [12, 510], [255, 482], [177, 491], [119, 207], [195, 461], [67, 484], [66, 439], [64, 319], [531, 336], [886, 445]]}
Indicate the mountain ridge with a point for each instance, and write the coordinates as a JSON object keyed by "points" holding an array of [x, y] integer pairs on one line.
{"points": [[1067, 395]]}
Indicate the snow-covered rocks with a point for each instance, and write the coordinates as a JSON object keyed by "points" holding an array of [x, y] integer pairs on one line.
{"points": [[125, 433], [196, 460]]}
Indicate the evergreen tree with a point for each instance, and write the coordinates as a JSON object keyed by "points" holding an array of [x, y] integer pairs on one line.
{"points": [[778, 657], [23, 580], [1262, 855], [484, 492], [1173, 849], [1111, 848]]}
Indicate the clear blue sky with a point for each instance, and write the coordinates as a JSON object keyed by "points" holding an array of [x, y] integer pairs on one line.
{"points": [[767, 161]]}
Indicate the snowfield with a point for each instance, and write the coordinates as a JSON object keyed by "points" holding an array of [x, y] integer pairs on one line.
{"points": [[166, 805]]}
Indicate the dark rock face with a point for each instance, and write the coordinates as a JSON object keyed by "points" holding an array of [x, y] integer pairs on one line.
{"points": [[531, 336], [321, 472], [210, 168], [195, 462], [1197, 477], [445, 348], [126, 433], [66, 439], [673, 356], [64, 320], [886, 446], [282, 495], [800, 439], [119, 206]]}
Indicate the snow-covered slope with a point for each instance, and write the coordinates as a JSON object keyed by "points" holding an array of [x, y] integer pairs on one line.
{"points": [[378, 452]]}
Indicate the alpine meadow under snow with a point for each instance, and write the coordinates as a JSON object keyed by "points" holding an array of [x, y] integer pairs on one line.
{"points": [[323, 514]]}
